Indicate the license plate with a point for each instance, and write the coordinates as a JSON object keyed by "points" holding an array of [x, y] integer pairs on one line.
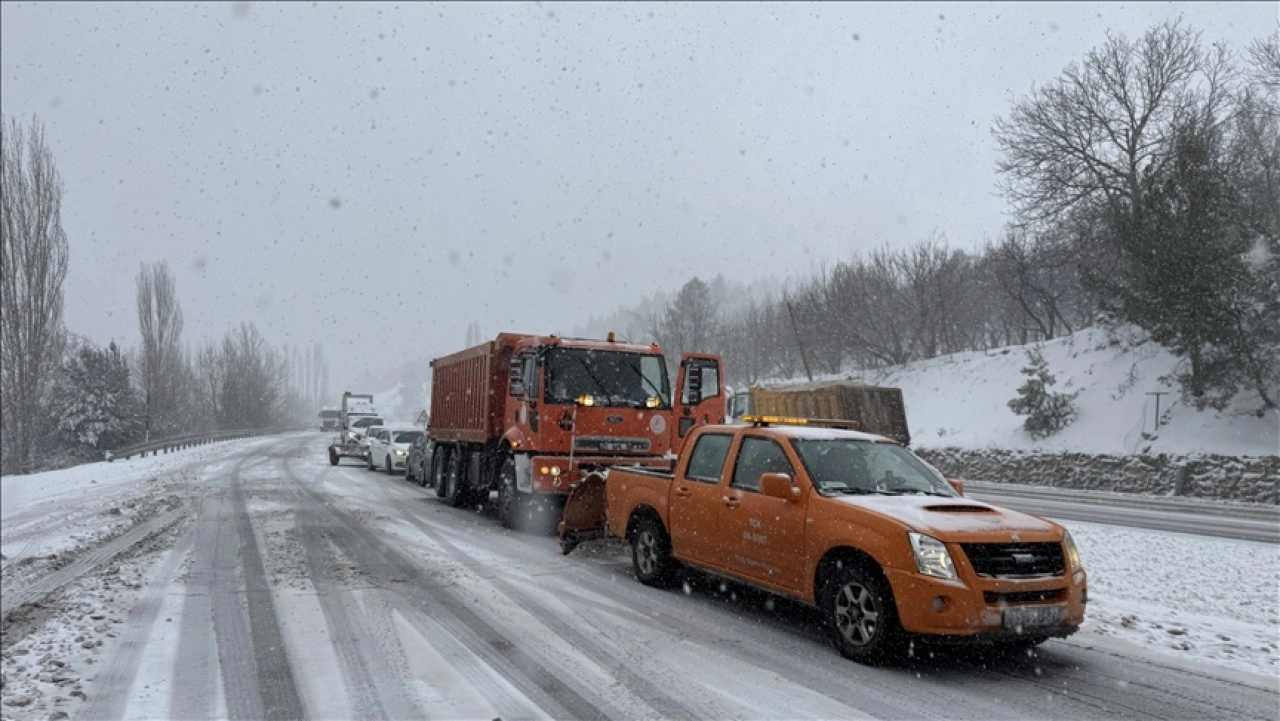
{"points": [[1022, 619]]}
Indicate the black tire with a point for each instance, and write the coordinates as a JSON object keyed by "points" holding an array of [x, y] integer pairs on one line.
{"points": [[862, 619], [454, 493], [512, 504], [333, 457], [439, 459], [651, 553], [388, 466], [368, 461], [408, 472]]}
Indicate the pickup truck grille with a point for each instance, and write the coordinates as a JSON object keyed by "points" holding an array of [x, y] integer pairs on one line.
{"points": [[1012, 560], [611, 445]]}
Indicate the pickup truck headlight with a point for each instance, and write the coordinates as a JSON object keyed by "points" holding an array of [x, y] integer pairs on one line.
{"points": [[1073, 553], [932, 557]]}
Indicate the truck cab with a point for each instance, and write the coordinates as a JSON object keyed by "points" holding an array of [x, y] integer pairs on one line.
{"points": [[852, 523]]}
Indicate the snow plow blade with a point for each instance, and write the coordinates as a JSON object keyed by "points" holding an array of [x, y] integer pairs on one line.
{"points": [[584, 513]]}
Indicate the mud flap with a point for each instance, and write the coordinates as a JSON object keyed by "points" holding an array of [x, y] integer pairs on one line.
{"points": [[584, 513]]}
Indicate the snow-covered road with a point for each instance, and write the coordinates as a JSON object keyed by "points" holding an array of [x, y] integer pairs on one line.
{"points": [[268, 584]]}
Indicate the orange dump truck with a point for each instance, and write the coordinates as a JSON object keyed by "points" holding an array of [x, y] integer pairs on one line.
{"points": [[529, 416], [852, 523]]}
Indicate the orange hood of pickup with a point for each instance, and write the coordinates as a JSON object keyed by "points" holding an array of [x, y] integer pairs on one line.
{"points": [[951, 519]]}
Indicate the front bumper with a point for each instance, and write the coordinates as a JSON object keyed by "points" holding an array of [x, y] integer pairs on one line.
{"points": [[972, 607]]}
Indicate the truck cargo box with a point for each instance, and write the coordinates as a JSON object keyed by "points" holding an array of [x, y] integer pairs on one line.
{"points": [[876, 409], [468, 392]]}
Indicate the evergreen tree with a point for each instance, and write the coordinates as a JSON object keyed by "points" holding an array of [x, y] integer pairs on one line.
{"points": [[1046, 412], [95, 406]]}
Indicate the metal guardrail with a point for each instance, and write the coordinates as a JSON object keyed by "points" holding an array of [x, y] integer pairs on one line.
{"points": [[188, 441]]}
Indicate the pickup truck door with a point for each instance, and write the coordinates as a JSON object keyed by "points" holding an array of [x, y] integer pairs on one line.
{"points": [[693, 511], [700, 398], [764, 535]]}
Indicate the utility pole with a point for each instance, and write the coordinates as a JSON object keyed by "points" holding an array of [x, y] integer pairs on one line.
{"points": [[804, 358], [1157, 394]]}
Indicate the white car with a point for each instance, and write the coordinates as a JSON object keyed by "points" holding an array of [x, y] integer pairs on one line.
{"points": [[389, 447]]}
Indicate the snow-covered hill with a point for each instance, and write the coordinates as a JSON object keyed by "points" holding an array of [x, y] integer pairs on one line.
{"points": [[961, 401]]}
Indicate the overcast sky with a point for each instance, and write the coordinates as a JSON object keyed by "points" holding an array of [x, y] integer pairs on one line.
{"points": [[375, 177]]}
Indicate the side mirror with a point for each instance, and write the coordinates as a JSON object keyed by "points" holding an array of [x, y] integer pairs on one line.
{"points": [[693, 385], [515, 373], [778, 485], [957, 485]]}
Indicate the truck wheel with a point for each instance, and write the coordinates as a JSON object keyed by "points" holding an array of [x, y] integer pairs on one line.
{"points": [[511, 502], [333, 457], [651, 554], [862, 619], [454, 494], [438, 458]]}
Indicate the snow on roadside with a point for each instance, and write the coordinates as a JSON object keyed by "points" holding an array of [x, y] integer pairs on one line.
{"points": [[19, 494], [1211, 600]]}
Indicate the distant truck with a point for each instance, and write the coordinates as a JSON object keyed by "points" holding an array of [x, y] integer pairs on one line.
{"points": [[875, 409], [852, 523], [528, 416], [355, 414], [330, 419]]}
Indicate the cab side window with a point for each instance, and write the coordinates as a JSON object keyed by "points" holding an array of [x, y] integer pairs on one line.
{"points": [[756, 457], [707, 461]]}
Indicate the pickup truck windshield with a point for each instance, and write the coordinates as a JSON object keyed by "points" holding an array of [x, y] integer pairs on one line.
{"points": [[848, 466], [613, 378]]}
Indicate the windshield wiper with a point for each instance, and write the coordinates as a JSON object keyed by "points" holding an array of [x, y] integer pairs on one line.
{"points": [[646, 380], [899, 491]]}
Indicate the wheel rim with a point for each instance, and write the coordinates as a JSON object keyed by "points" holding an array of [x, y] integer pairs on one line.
{"points": [[857, 613], [646, 552]]}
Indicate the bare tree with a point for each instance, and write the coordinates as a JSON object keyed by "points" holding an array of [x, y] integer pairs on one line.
{"points": [[34, 267], [1095, 133], [160, 361]]}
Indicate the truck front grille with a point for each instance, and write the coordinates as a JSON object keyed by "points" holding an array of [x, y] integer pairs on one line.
{"points": [[606, 444], [1014, 560]]}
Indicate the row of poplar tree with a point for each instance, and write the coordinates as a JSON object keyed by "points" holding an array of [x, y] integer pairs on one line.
{"points": [[66, 400]]}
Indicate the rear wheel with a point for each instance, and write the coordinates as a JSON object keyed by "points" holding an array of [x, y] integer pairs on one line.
{"points": [[439, 459], [368, 462], [862, 620], [651, 553], [454, 494]]}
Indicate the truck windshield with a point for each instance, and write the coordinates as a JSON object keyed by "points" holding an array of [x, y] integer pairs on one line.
{"points": [[329, 415], [366, 422], [611, 377], [849, 466]]}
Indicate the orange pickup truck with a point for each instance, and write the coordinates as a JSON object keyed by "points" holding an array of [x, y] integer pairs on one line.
{"points": [[852, 523]]}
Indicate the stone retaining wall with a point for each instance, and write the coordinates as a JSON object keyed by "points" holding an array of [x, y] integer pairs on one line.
{"points": [[1254, 479]]}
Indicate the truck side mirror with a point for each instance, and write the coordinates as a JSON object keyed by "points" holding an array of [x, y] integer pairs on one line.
{"points": [[515, 373], [778, 485], [693, 385]]}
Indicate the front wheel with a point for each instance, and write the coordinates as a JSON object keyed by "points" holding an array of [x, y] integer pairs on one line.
{"points": [[651, 554], [368, 462], [511, 502], [862, 620], [333, 457], [388, 466]]}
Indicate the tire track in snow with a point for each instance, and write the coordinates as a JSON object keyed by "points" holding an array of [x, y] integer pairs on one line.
{"points": [[276, 686], [112, 686], [195, 668], [650, 692], [431, 596], [367, 688]]}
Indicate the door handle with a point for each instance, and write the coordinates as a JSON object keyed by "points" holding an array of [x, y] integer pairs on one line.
{"points": [[683, 492], [730, 501]]}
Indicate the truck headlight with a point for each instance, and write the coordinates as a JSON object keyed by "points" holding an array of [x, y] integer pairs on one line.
{"points": [[932, 557], [1073, 553], [401, 453]]}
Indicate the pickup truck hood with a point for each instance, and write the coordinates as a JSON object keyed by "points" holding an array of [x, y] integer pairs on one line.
{"points": [[949, 519]]}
